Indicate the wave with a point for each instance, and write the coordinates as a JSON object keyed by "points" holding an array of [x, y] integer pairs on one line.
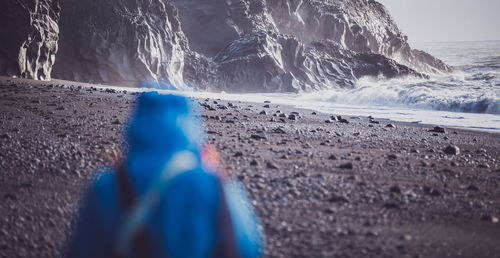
{"points": [[452, 93]]}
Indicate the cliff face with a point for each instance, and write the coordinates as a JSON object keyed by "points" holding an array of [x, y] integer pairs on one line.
{"points": [[231, 45], [120, 42], [29, 37]]}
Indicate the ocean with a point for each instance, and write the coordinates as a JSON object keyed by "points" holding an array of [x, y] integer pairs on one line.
{"points": [[467, 98]]}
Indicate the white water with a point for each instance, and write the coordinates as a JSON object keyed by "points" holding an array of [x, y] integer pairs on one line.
{"points": [[467, 98]]}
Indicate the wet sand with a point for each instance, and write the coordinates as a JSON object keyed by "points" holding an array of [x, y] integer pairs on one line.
{"points": [[323, 188]]}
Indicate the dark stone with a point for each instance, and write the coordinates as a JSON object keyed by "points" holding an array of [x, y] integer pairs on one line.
{"points": [[452, 150], [392, 156], [472, 188], [254, 163], [338, 199], [238, 154], [395, 189], [270, 165], [391, 205], [258, 137], [292, 117], [390, 126], [438, 129], [263, 112], [346, 166]]}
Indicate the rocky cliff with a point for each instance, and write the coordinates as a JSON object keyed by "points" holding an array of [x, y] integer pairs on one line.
{"points": [[28, 37], [120, 42], [232, 45]]}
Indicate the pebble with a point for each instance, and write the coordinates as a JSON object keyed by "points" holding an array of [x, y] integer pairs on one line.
{"points": [[254, 163], [472, 188], [271, 165], [390, 126], [263, 112], [452, 150], [346, 166], [438, 129], [337, 199], [292, 117], [332, 157], [392, 156], [238, 154], [266, 106], [395, 189], [391, 205]]}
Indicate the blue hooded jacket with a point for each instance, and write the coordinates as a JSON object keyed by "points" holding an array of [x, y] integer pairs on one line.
{"points": [[183, 222]]}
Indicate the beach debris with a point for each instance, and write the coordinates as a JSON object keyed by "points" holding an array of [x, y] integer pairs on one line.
{"points": [[452, 150]]}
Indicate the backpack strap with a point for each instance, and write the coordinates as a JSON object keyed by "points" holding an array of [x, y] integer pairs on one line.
{"points": [[128, 197], [226, 246]]}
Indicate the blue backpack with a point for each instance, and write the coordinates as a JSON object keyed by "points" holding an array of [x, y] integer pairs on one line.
{"points": [[169, 197]]}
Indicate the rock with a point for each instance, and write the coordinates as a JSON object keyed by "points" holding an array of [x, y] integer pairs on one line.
{"points": [[29, 34], [343, 120], [254, 163], [346, 166], [292, 117], [266, 106], [338, 199], [258, 137], [438, 129], [116, 122], [328, 121], [472, 188], [390, 126], [238, 154], [263, 112], [270, 165], [395, 189], [278, 130], [452, 150], [332, 157], [391, 205], [392, 156], [122, 42]]}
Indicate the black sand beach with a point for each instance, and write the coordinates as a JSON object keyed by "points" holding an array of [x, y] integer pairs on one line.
{"points": [[322, 188]]}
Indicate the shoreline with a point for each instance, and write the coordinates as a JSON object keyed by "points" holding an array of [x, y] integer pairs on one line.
{"points": [[235, 97], [320, 189]]}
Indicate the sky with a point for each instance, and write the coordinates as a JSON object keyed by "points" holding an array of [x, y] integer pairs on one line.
{"points": [[446, 20]]}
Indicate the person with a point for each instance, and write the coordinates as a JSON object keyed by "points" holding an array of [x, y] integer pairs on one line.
{"points": [[169, 197]]}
